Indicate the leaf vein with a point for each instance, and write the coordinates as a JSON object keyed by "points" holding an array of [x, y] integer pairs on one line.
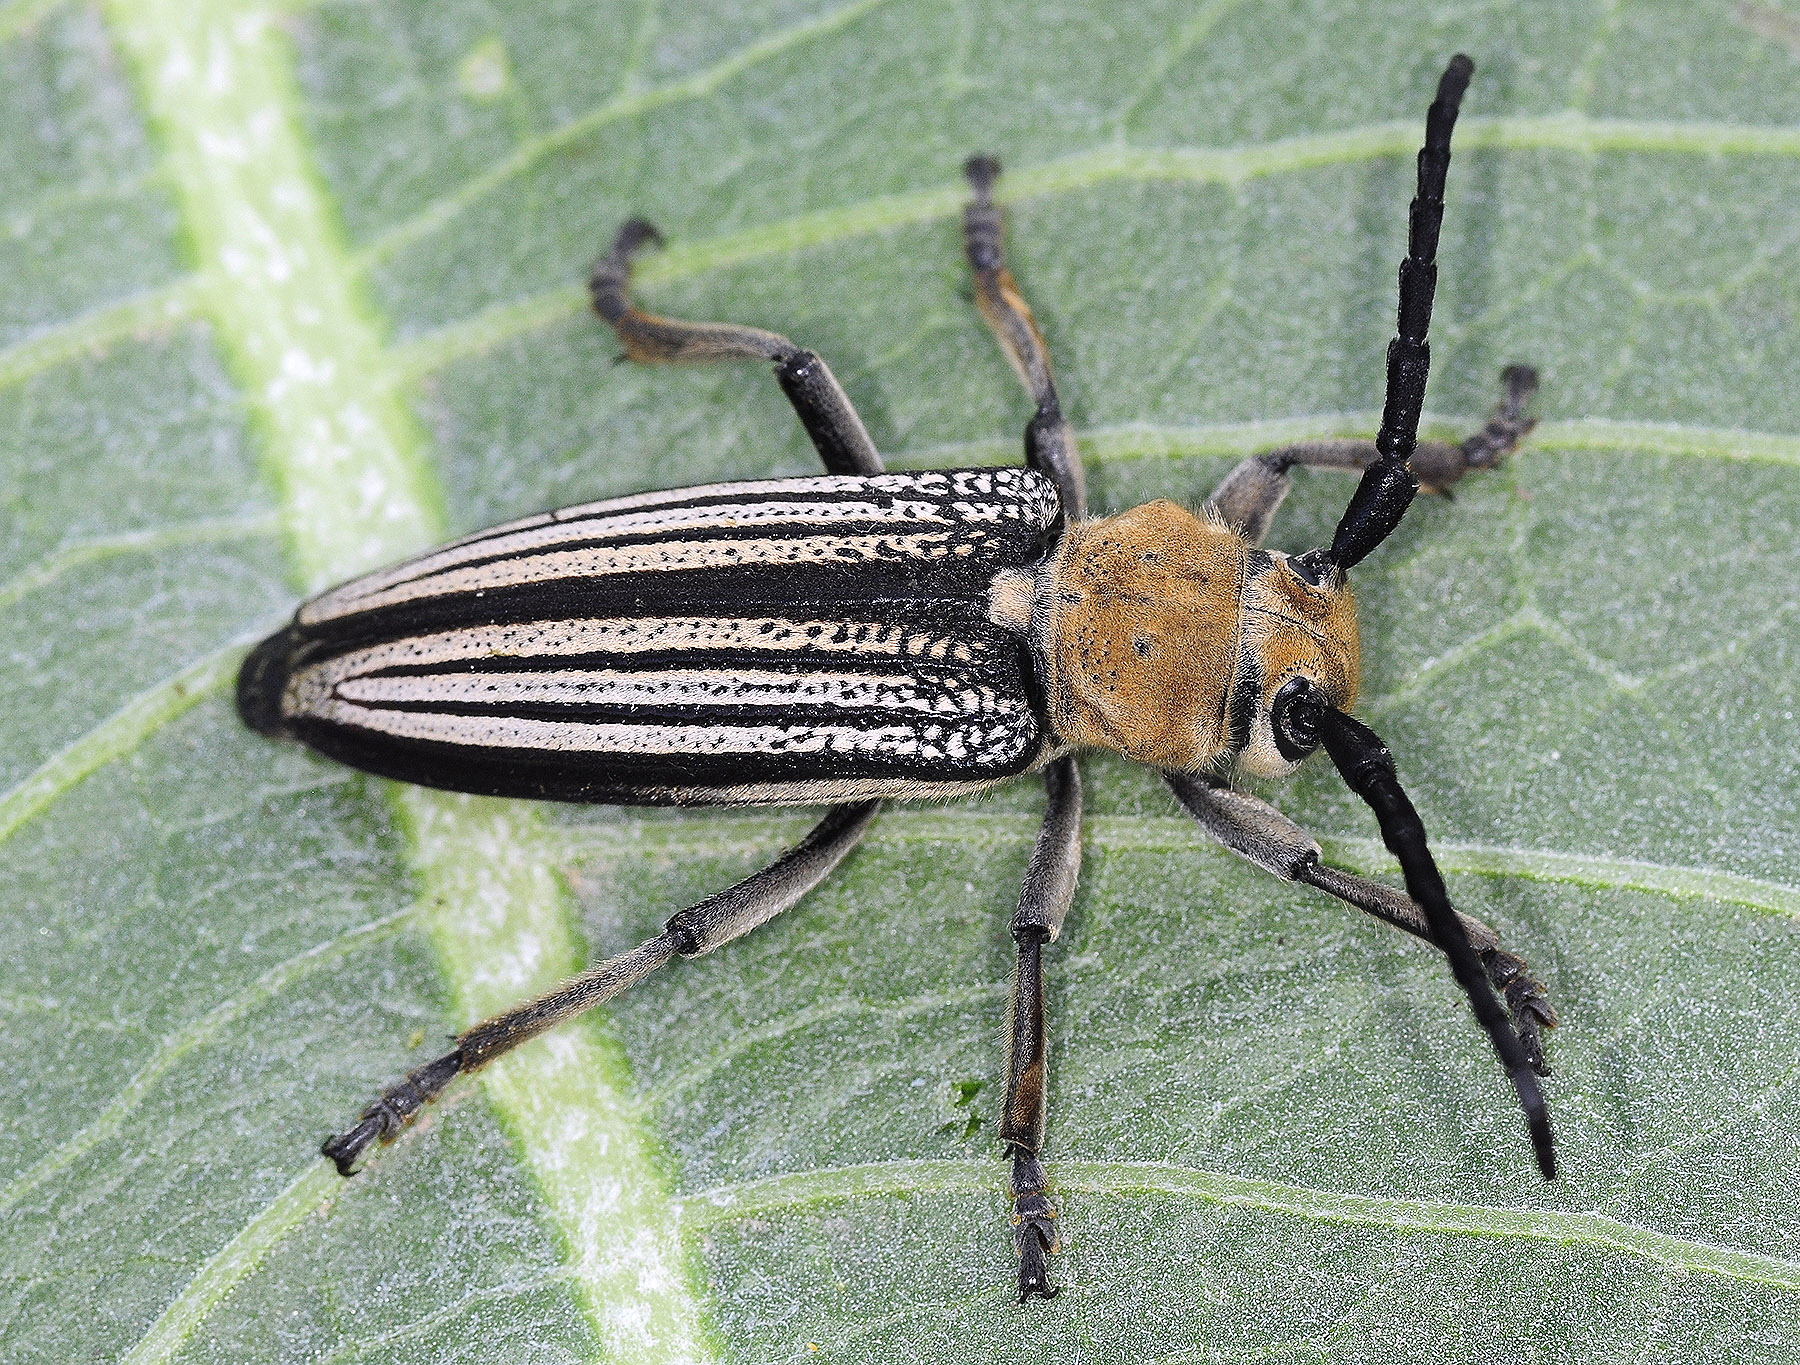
{"points": [[99, 328], [1161, 833], [195, 1034], [117, 735], [735, 1202], [78, 553], [1572, 133], [221, 1272], [745, 1040], [616, 110]]}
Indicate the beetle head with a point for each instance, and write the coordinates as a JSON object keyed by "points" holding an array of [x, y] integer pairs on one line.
{"points": [[1297, 634]]}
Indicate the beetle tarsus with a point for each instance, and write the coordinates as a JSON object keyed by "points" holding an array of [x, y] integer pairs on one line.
{"points": [[1035, 1237], [1439, 464], [393, 1111], [981, 171], [1526, 999], [1034, 1228], [611, 274], [1509, 424], [633, 235], [342, 1149]]}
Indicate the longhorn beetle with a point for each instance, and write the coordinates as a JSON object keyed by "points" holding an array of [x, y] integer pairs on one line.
{"points": [[866, 635]]}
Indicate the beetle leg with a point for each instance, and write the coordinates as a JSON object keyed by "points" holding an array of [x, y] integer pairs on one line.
{"points": [[822, 405], [699, 929], [1049, 440], [1251, 493], [1256, 831], [1056, 858], [1043, 902]]}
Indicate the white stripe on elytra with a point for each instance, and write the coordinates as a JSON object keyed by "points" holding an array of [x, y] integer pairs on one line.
{"points": [[553, 639], [689, 689], [824, 791], [824, 483], [925, 483], [671, 520], [672, 556], [926, 741]]}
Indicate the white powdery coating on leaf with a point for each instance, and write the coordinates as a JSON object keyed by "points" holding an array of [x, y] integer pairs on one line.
{"points": [[499, 924], [282, 288]]}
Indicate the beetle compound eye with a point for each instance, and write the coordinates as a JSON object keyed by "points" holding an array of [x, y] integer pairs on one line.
{"points": [[1313, 567], [1294, 717]]}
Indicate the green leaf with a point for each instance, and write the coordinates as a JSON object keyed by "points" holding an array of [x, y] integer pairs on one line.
{"points": [[292, 290]]}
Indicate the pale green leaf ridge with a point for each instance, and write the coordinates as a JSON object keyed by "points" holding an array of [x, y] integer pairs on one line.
{"points": [[118, 735], [733, 1203], [1153, 834], [1564, 132], [357, 492]]}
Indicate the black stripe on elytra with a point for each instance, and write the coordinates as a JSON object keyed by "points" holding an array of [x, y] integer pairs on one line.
{"points": [[1001, 672], [959, 587], [590, 776], [954, 619], [984, 543], [987, 741]]}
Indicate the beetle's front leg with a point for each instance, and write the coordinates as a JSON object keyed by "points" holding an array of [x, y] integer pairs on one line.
{"points": [[1253, 829], [1043, 903], [1251, 493]]}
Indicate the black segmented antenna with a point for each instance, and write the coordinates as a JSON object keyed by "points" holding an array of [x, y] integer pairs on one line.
{"points": [[1368, 770], [1388, 485]]}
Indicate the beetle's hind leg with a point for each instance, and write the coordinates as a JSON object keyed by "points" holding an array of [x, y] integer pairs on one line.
{"points": [[1049, 440], [1043, 903], [1257, 832], [1251, 493], [699, 929], [819, 400]]}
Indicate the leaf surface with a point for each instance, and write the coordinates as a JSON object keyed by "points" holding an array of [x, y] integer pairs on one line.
{"points": [[291, 291]]}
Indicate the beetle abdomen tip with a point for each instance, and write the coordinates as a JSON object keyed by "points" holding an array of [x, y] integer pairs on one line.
{"points": [[262, 680]]}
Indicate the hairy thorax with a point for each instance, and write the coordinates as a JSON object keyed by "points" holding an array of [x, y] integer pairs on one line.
{"points": [[1140, 631], [1164, 636]]}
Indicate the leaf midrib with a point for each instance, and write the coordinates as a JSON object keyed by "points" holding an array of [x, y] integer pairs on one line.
{"points": [[356, 487]]}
